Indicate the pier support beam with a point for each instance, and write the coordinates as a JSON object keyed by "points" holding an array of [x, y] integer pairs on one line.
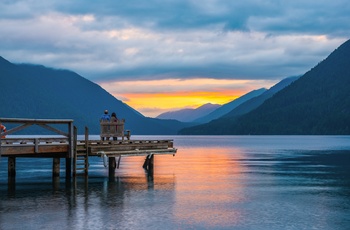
{"points": [[12, 167], [56, 183], [68, 168], [111, 167], [149, 163], [56, 167]]}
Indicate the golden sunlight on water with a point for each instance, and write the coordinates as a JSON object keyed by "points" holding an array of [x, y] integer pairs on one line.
{"points": [[251, 182], [207, 186], [204, 185]]}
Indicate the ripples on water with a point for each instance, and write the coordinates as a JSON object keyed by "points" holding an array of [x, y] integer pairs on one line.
{"points": [[229, 182]]}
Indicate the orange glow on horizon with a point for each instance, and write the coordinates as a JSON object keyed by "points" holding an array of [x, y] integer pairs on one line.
{"points": [[180, 99], [153, 97]]}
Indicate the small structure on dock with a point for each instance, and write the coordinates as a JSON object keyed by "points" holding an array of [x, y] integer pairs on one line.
{"points": [[113, 130], [77, 152]]}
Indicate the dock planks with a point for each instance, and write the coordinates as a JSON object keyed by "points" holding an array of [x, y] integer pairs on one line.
{"points": [[73, 150], [57, 147]]}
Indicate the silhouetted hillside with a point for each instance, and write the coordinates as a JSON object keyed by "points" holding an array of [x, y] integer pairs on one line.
{"points": [[32, 91], [257, 101], [226, 108], [316, 103], [189, 115]]}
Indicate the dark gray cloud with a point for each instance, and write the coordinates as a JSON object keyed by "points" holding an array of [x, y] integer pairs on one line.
{"points": [[129, 39], [277, 16]]}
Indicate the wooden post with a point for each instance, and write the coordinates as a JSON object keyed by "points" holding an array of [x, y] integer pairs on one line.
{"points": [[56, 167], [11, 167], [128, 134], [111, 167], [151, 163], [87, 151], [68, 168], [74, 156], [36, 142], [145, 164], [72, 140], [55, 183], [120, 157], [11, 186]]}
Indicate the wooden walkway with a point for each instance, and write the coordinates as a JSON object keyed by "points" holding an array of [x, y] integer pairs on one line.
{"points": [[75, 152]]}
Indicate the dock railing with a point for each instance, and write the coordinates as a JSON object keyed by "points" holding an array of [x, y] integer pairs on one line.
{"points": [[36, 147], [44, 123], [66, 145], [113, 130]]}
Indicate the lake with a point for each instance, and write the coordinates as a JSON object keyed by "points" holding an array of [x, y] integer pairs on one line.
{"points": [[213, 182]]}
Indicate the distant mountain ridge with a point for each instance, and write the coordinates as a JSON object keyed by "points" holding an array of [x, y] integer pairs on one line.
{"points": [[224, 109], [32, 91], [316, 103], [189, 115], [259, 100]]}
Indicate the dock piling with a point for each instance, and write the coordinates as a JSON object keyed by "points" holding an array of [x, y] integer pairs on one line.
{"points": [[149, 163], [111, 167], [75, 152], [11, 167], [56, 167]]}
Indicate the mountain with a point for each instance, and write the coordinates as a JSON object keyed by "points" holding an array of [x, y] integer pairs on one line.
{"points": [[33, 91], [189, 115], [259, 100], [318, 103], [224, 109]]}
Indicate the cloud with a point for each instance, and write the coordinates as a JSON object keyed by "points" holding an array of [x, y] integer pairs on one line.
{"points": [[275, 15], [133, 39], [175, 86], [306, 17]]}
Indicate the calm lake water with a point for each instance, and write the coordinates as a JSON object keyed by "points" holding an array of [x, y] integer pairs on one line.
{"points": [[213, 182]]}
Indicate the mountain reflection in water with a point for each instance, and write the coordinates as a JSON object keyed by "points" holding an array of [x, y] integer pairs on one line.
{"points": [[227, 182]]}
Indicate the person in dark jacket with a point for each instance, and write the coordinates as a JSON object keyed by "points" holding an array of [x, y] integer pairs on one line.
{"points": [[114, 119]]}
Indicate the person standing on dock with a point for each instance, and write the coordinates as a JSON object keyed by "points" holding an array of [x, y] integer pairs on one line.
{"points": [[2, 129], [105, 116], [114, 119]]}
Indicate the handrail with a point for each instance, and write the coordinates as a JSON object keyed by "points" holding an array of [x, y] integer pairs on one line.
{"points": [[26, 122], [36, 121], [40, 122], [28, 139]]}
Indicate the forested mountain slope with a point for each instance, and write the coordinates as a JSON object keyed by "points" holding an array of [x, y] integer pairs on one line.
{"points": [[316, 103], [224, 109], [259, 100], [32, 91]]}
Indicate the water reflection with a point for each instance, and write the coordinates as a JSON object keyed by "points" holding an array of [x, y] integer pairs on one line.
{"points": [[301, 188], [213, 183], [213, 187], [320, 170], [90, 204]]}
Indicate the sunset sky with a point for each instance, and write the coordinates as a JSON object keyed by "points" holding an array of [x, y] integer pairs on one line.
{"points": [[161, 55]]}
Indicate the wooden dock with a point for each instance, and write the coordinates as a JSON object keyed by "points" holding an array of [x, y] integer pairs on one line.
{"points": [[75, 152]]}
